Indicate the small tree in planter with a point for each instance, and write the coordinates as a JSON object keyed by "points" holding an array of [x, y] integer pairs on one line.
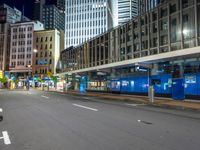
{"points": [[3, 80]]}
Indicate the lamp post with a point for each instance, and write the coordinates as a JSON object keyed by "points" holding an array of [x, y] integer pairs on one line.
{"points": [[150, 88], [28, 84], [35, 51]]}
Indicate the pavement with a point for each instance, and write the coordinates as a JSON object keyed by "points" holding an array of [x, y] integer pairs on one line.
{"points": [[38, 120], [158, 101]]}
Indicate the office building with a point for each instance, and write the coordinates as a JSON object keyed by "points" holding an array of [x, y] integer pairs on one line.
{"points": [[21, 47], [61, 5], [159, 48], [4, 46], [86, 19], [38, 10], [9, 14], [47, 46], [127, 9], [146, 5], [53, 18]]}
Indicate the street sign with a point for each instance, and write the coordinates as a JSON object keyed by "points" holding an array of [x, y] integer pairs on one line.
{"points": [[1, 74]]}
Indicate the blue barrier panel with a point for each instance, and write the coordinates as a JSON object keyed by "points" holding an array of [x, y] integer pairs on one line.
{"points": [[178, 89], [161, 83], [115, 85], [198, 84], [191, 84]]}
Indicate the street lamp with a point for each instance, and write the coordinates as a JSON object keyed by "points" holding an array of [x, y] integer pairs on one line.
{"points": [[150, 88], [29, 66], [35, 50]]}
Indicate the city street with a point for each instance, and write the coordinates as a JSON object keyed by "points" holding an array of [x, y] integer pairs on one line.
{"points": [[36, 120]]}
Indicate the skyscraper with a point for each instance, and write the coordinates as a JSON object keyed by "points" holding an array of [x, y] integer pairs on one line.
{"points": [[61, 5], [9, 15], [126, 10], [38, 7], [145, 5], [53, 18], [86, 19]]}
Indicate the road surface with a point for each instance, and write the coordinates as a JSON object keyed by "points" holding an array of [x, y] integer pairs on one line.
{"points": [[36, 120]]}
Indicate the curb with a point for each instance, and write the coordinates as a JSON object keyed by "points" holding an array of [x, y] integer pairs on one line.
{"points": [[158, 104]]}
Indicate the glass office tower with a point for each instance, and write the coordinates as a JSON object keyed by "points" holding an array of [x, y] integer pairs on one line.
{"points": [[126, 10], [86, 19]]}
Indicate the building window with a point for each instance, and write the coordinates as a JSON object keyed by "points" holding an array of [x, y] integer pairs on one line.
{"points": [[172, 8], [45, 61], [40, 61]]}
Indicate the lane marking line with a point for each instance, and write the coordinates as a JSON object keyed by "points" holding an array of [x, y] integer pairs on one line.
{"points": [[6, 138], [1, 110], [44, 96], [135, 105], [89, 108]]}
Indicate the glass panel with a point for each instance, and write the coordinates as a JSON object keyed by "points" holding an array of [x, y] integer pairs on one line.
{"points": [[188, 23], [175, 28]]}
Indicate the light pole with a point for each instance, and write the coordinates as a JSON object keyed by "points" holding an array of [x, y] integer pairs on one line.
{"points": [[35, 51], [28, 84], [150, 88]]}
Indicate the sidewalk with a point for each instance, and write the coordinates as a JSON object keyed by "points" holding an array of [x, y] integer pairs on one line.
{"points": [[159, 101]]}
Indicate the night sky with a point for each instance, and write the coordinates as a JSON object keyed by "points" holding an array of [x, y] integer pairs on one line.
{"points": [[28, 5]]}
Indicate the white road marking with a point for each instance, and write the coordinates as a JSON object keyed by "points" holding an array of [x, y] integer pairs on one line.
{"points": [[5, 138], [135, 105], [1, 110], [89, 108], [44, 96]]}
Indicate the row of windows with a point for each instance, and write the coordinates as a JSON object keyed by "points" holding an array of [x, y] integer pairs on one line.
{"points": [[21, 56], [22, 43], [45, 48], [45, 54], [14, 50], [42, 71], [46, 39], [20, 63], [43, 62], [22, 29]]}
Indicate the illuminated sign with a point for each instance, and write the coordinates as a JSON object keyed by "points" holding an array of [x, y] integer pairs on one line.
{"points": [[1, 74]]}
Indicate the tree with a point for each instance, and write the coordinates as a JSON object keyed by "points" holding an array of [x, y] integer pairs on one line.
{"points": [[49, 74], [40, 80], [3, 80]]}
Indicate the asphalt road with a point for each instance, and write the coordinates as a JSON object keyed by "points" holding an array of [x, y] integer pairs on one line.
{"points": [[35, 120]]}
